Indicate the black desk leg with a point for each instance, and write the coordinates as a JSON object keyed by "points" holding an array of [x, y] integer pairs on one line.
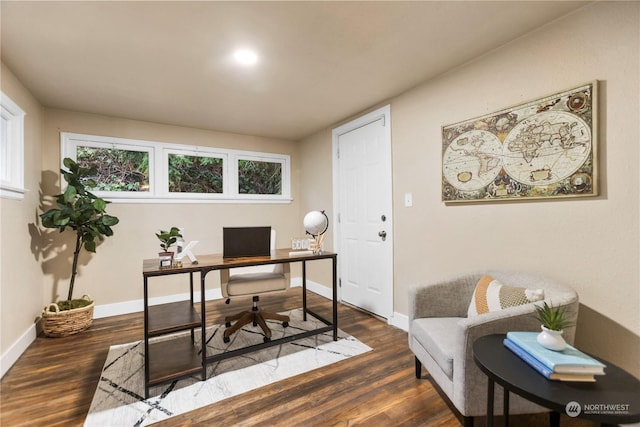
{"points": [[304, 290], [335, 298], [505, 406], [490, 387], [193, 338], [203, 326], [146, 338], [554, 419]]}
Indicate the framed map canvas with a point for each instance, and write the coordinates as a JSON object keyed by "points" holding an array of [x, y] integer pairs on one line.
{"points": [[541, 149]]}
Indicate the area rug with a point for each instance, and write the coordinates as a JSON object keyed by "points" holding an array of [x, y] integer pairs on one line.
{"points": [[119, 398]]}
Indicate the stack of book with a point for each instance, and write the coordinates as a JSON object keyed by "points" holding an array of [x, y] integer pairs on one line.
{"points": [[569, 364]]}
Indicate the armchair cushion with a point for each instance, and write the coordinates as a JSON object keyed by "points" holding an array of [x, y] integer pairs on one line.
{"points": [[435, 334], [491, 295]]}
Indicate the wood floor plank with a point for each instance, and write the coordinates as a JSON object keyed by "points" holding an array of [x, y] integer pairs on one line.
{"points": [[53, 382]]}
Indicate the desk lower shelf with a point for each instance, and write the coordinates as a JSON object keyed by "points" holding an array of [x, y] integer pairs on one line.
{"points": [[172, 359], [172, 317]]}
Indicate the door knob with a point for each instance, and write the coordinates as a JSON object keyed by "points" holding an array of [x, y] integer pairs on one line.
{"points": [[383, 234]]}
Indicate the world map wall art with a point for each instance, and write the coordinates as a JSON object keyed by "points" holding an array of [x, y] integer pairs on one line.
{"points": [[542, 149]]}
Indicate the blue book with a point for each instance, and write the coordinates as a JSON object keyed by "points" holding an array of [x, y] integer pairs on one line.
{"points": [[541, 368], [568, 361]]}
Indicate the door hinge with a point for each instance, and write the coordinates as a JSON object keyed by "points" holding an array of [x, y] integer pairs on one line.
{"points": [[340, 282]]}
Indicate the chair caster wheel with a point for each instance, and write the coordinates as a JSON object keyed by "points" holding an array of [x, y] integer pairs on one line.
{"points": [[227, 324], [285, 324], [226, 339], [255, 324], [266, 339]]}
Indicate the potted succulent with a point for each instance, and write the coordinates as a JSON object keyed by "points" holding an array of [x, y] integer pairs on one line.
{"points": [[553, 322], [78, 210], [167, 238]]}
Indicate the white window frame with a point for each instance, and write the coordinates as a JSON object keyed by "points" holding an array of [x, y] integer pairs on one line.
{"points": [[199, 152], [11, 149], [69, 148], [159, 173], [286, 189]]}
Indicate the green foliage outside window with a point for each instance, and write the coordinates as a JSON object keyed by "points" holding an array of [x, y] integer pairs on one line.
{"points": [[195, 174], [122, 170], [256, 177], [116, 169]]}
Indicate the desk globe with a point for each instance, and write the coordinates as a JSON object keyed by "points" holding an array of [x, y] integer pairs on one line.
{"points": [[316, 224]]}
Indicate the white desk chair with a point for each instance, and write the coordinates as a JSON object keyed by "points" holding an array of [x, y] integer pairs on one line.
{"points": [[254, 281]]}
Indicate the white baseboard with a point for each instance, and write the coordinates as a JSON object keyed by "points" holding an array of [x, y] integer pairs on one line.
{"points": [[314, 287], [135, 306], [400, 321], [16, 349]]}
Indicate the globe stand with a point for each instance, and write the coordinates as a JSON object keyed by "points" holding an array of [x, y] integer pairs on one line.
{"points": [[316, 224]]}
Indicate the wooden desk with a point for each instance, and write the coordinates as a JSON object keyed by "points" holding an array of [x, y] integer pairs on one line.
{"points": [[181, 358]]}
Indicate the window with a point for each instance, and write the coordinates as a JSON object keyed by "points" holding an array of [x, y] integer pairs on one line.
{"points": [[195, 174], [259, 177], [11, 149], [137, 170], [124, 167], [117, 169]]}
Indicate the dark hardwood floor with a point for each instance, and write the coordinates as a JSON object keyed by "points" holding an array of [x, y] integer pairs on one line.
{"points": [[52, 384]]}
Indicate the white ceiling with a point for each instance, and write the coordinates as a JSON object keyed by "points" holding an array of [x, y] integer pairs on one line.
{"points": [[320, 62]]}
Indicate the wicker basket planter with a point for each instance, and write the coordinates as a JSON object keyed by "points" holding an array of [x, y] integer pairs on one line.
{"points": [[62, 323]]}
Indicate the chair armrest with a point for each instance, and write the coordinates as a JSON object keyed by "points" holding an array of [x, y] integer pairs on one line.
{"points": [[468, 380], [519, 318], [447, 298]]}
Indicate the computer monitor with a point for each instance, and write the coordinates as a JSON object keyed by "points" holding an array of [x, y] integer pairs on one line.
{"points": [[246, 241]]}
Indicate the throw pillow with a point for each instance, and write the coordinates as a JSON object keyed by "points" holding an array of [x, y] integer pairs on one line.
{"points": [[492, 295]]}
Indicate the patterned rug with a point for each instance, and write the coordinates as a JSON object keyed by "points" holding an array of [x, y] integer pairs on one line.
{"points": [[119, 398]]}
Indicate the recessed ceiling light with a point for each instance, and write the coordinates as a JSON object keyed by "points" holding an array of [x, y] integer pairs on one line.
{"points": [[245, 57]]}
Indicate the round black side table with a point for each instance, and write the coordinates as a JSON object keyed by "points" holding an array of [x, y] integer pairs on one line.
{"points": [[613, 399]]}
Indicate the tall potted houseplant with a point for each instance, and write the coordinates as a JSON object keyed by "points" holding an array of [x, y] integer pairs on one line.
{"points": [[82, 212]]}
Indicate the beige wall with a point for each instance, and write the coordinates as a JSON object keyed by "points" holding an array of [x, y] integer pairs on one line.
{"points": [[590, 243], [114, 273], [316, 194], [20, 270]]}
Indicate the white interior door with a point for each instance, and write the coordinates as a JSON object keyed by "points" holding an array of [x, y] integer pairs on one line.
{"points": [[363, 200]]}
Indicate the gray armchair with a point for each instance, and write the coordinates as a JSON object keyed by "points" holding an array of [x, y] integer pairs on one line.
{"points": [[441, 335]]}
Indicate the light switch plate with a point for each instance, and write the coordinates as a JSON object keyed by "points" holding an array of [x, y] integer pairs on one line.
{"points": [[408, 200]]}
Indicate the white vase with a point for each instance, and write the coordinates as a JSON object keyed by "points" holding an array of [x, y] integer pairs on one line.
{"points": [[551, 339]]}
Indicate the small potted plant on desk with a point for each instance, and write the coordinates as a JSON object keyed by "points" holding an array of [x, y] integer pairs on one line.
{"points": [[85, 214], [553, 323], [167, 238]]}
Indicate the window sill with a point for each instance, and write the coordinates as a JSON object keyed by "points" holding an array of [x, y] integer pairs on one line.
{"points": [[179, 200], [13, 193]]}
